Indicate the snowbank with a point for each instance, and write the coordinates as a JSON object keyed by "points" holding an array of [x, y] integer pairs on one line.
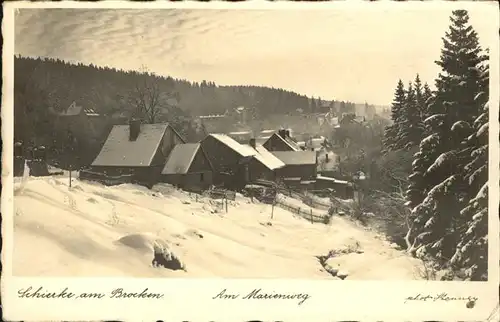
{"points": [[94, 230]]}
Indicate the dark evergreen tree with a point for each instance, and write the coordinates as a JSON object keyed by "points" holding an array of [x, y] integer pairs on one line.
{"points": [[313, 106], [392, 132], [410, 127], [420, 100], [471, 253], [438, 167], [426, 101]]}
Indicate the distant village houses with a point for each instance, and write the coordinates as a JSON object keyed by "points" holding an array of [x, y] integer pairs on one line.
{"points": [[300, 167], [81, 121], [281, 141], [152, 153]]}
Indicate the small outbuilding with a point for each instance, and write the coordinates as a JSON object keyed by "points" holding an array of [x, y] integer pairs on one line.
{"points": [[298, 164], [341, 188], [188, 168]]}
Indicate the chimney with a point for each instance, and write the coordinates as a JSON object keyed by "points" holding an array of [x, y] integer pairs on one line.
{"points": [[282, 133], [134, 129], [326, 158], [287, 133], [252, 143]]}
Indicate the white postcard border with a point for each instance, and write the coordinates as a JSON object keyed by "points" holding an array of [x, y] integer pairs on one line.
{"points": [[191, 299]]}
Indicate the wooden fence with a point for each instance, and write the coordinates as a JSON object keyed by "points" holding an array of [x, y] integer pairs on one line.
{"points": [[313, 215], [309, 199], [316, 202], [105, 179], [221, 194]]}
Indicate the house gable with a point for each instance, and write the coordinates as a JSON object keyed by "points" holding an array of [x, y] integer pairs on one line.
{"points": [[186, 158], [200, 162], [277, 143], [170, 139], [119, 151], [221, 156]]}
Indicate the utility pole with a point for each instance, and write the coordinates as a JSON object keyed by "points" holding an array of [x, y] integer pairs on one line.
{"points": [[274, 202], [226, 201]]}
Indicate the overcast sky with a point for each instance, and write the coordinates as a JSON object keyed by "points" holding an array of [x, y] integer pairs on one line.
{"points": [[345, 54]]}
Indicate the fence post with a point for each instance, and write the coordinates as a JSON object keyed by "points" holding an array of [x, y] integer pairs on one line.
{"points": [[312, 221], [226, 203], [70, 175]]}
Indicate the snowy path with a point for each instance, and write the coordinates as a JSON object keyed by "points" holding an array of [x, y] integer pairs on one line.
{"points": [[61, 231]]}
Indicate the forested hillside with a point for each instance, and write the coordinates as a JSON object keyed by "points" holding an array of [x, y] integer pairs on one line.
{"points": [[41, 84], [45, 85], [107, 89], [52, 82], [448, 131]]}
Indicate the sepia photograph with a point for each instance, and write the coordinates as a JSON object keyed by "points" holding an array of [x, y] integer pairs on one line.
{"points": [[267, 144]]}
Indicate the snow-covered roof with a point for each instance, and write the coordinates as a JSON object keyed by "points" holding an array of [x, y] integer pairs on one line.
{"points": [[180, 159], [296, 157], [118, 150], [73, 109], [320, 177], [317, 142], [212, 116], [243, 150], [293, 145], [267, 158], [292, 179], [240, 133], [90, 112]]}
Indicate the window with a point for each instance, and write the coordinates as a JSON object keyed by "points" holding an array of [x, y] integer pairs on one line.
{"points": [[201, 177]]}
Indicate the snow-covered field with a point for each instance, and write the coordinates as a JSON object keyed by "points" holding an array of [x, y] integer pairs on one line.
{"points": [[93, 230]]}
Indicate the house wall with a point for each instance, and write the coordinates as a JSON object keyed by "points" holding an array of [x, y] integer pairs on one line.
{"points": [[257, 170], [342, 190], [224, 160], [197, 180], [304, 171], [200, 162], [276, 144], [194, 181], [141, 175], [199, 176]]}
